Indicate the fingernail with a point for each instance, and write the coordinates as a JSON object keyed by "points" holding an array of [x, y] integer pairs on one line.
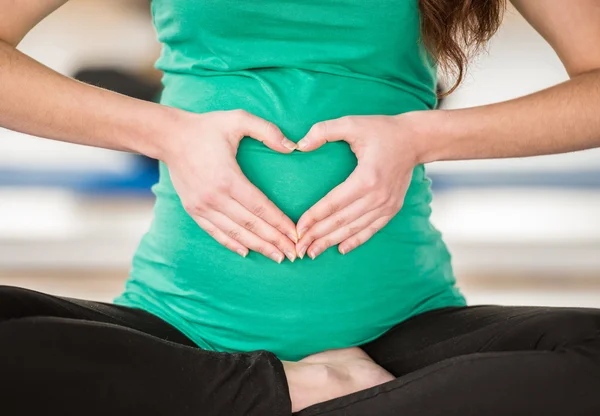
{"points": [[302, 231], [289, 144], [293, 238], [278, 257], [291, 256], [302, 144], [313, 253], [342, 250], [242, 253], [301, 252]]}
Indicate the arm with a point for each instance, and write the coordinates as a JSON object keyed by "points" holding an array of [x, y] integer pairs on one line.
{"points": [[39, 101], [199, 149], [559, 119]]}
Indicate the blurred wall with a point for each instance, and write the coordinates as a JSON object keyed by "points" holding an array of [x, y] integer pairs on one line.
{"points": [[507, 221]]}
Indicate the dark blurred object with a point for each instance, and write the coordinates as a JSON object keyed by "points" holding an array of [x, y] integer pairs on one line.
{"points": [[121, 82], [440, 89], [127, 84], [142, 172]]}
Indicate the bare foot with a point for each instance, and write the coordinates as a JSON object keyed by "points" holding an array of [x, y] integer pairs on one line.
{"points": [[331, 374]]}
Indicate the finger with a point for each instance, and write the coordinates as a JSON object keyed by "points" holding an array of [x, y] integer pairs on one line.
{"points": [[334, 222], [259, 227], [338, 198], [240, 234], [258, 204], [263, 131], [328, 131], [221, 237], [336, 237], [362, 236]]}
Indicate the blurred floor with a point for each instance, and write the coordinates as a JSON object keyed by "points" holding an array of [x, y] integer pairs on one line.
{"points": [[534, 231], [506, 290]]}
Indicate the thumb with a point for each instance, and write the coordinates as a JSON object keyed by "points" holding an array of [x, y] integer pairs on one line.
{"points": [[326, 131], [264, 131]]}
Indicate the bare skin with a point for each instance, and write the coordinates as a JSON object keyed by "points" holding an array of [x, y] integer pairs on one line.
{"points": [[332, 374]]}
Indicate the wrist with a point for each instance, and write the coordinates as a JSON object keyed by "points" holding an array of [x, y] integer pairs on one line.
{"points": [[424, 129], [163, 124]]}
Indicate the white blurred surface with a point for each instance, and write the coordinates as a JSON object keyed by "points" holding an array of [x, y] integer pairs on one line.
{"points": [[534, 230], [104, 285]]}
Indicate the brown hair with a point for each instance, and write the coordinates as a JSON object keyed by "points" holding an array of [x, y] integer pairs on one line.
{"points": [[453, 30]]}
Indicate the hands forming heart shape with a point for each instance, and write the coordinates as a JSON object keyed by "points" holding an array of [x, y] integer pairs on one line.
{"points": [[240, 217]]}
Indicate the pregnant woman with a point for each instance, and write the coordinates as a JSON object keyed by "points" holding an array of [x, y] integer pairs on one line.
{"points": [[291, 265]]}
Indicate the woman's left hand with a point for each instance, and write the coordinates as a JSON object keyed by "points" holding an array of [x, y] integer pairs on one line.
{"points": [[367, 200]]}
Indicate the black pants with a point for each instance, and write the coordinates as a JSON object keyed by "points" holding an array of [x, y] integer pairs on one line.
{"points": [[73, 357]]}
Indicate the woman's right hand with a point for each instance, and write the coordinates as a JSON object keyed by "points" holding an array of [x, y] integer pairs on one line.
{"points": [[201, 158]]}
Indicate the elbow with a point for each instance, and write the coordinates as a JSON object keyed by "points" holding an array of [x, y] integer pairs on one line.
{"points": [[11, 40], [583, 69], [12, 29]]}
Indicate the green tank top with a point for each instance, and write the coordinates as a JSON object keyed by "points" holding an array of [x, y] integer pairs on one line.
{"points": [[295, 63]]}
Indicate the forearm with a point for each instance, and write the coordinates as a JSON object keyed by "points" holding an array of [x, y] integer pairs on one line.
{"points": [[560, 119], [37, 100]]}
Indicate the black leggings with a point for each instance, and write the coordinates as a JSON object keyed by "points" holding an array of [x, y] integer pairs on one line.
{"points": [[73, 357]]}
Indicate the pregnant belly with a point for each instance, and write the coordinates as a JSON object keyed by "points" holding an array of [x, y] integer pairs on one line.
{"points": [[296, 181], [228, 303]]}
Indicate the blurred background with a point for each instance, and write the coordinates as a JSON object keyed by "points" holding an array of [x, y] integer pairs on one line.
{"points": [[523, 231]]}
